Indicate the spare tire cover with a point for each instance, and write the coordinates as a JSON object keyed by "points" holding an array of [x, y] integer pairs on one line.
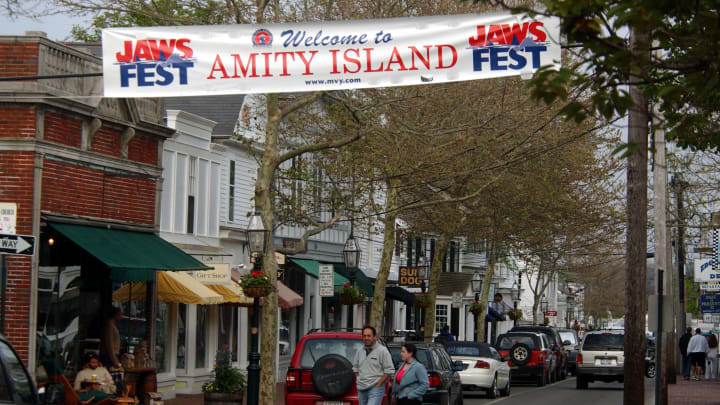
{"points": [[332, 375], [520, 354]]}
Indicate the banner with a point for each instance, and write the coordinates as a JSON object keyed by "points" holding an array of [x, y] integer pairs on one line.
{"points": [[704, 271], [332, 55]]}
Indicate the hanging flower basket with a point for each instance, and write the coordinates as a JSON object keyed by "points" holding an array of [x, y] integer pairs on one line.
{"points": [[422, 300], [350, 295], [255, 284], [515, 314], [476, 308]]}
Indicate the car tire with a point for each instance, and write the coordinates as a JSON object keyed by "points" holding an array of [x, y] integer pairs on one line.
{"points": [[565, 372], [520, 354], [650, 371], [554, 376], [332, 376], [581, 382], [540, 380], [506, 391], [492, 392]]}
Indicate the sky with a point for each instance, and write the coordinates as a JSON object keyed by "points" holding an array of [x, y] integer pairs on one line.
{"points": [[57, 27]]}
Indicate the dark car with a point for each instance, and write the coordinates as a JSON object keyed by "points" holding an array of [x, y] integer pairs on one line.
{"points": [[320, 370], [445, 385], [528, 355], [556, 345], [571, 343], [16, 387]]}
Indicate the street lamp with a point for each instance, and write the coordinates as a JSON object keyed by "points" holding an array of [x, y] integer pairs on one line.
{"points": [[476, 284], [257, 236], [351, 256], [515, 292], [423, 274], [570, 309], [543, 306]]}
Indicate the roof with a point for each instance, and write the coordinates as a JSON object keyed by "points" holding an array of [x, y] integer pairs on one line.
{"points": [[224, 109], [453, 282]]}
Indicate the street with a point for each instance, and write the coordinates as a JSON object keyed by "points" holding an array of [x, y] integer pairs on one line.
{"points": [[562, 392]]}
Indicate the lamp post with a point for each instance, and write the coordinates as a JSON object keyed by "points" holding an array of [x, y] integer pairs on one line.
{"points": [[351, 256], [257, 236], [477, 288], [423, 274], [570, 309], [543, 306], [515, 297]]}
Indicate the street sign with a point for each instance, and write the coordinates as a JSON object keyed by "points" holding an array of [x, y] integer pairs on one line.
{"points": [[710, 303], [8, 217], [550, 313], [457, 299], [17, 244], [409, 277], [710, 287], [704, 271], [219, 274], [325, 278], [711, 318]]}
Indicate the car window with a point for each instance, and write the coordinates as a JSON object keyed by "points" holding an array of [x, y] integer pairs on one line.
{"points": [[444, 354], [18, 377], [568, 336], [495, 355], [507, 342], [313, 349], [422, 356], [603, 341], [441, 364], [476, 351], [545, 340]]}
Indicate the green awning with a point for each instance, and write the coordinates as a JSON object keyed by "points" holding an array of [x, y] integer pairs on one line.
{"points": [[361, 280], [311, 267], [131, 256]]}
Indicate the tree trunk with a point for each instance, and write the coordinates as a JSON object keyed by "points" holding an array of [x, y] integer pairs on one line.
{"points": [[440, 250], [636, 249], [487, 280], [376, 312]]}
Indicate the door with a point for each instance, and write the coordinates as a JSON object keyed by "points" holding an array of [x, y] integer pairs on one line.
{"points": [[455, 323]]}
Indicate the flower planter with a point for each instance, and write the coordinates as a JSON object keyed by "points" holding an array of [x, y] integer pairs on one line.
{"points": [[349, 300], [256, 291], [217, 398]]}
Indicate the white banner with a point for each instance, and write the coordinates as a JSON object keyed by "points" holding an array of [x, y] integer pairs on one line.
{"points": [[704, 271], [332, 55]]}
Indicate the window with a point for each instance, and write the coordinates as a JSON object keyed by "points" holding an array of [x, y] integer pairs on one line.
{"points": [[603, 341], [162, 337], [227, 331], [507, 342], [192, 192], [182, 331], [201, 336], [18, 377], [441, 317], [422, 356], [231, 192], [313, 349], [475, 351]]}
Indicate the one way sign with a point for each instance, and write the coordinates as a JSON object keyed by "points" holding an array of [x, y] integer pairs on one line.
{"points": [[17, 244]]}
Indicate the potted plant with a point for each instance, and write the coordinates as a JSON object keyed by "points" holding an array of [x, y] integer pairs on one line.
{"points": [[350, 295], [255, 284], [576, 326], [546, 321], [422, 300], [228, 383], [515, 314], [476, 308]]}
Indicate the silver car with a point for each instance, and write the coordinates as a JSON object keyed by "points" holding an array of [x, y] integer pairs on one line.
{"points": [[601, 358]]}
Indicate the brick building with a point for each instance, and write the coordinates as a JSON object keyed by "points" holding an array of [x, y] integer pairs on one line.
{"points": [[84, 171]]}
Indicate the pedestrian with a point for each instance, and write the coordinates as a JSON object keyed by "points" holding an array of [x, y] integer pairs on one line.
{"points": [[697, 349], [445, 336], [684, 340], [711, 371], [110, 349], [373, 367], [411, 380]]}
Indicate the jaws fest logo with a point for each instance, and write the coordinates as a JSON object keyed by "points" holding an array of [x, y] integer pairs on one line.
{"points": [[155, 62], [508, 47]]}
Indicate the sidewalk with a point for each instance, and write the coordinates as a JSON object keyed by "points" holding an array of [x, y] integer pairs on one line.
{"points": [[689, 392], [198, 399]]}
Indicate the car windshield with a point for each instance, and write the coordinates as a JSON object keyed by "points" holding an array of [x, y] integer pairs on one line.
{"points": [[568, 336], [422, 355], [603, 341], [313, 349], [507, 342], [474, 351]]}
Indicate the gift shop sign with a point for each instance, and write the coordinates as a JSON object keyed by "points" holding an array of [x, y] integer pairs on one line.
{"points": [[333, 55]]}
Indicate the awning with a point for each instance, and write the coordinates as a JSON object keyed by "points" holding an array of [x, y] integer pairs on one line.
{"points": [[400, 294], [172, 287], [231, 293], [288, 298], [311, 267], [131, 256]]}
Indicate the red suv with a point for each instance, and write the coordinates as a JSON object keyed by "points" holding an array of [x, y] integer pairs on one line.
{"points": [[528, 355], [320, 372]]}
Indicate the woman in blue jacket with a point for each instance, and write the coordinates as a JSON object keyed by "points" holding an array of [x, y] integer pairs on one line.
{"points": [[411, 379]]}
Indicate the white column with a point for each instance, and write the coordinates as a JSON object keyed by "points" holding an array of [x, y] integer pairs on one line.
{"points": [[317, 305], [191, 324], [243, 326]]}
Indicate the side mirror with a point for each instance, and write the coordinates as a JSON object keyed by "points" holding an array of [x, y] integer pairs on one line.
{"points": [[457, 365]]}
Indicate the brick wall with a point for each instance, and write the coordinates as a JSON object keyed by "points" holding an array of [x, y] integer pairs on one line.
{"points": [[63, 129], [17, 122], [18, 59], [16, 185], [106, 141], [143, 149]]}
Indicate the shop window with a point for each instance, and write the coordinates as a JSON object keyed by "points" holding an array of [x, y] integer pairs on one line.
{"points": [[284, 334], [201, 336], [181, 336], [227, 330], [441, 317], [162, 337]]}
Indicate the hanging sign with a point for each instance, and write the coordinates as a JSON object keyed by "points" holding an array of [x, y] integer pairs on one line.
{"points": [[328, 55], [326, 280], [409, 277]]}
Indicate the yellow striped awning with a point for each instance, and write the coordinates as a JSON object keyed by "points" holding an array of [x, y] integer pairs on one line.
{"points": [[231, 293], [172, 287]]}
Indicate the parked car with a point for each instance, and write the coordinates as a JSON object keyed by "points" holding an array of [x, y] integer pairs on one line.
{"points": [[16, 386], [571, 343], [601, 358], [528, 355], [483, 368], [320, 370], [445, 384], [556, 345]]}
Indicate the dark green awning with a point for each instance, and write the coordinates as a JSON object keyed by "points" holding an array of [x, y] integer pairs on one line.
{"points": [[311, 267], [361, 280], [131, 256]]}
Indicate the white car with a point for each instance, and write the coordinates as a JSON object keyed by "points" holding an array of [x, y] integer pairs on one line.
{"points": [[483, 367]]}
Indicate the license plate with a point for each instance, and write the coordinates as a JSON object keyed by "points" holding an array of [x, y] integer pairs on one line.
{"points": [[604, 362], [514, 367], [332, 403]]}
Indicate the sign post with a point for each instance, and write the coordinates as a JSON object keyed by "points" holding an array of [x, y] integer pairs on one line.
{"points": [[325, 278]]}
